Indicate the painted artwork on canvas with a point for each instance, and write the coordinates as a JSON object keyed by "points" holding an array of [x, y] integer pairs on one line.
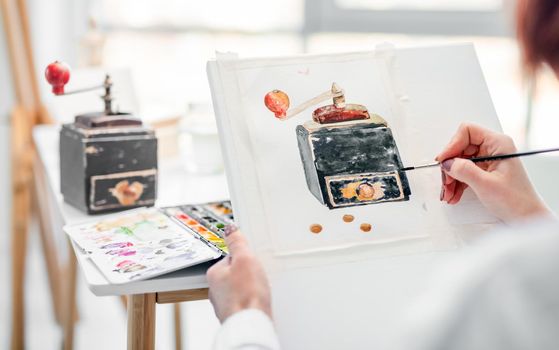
{"points": [[349, 155], [313, 179]]}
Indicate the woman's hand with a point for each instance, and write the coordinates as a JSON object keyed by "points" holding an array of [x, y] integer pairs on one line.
{"points": [[238, 281], [502, 186]]}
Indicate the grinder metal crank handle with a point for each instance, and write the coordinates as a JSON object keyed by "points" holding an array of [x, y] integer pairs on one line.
{"points": [[277, 101], [336, 93], [58, 75]]}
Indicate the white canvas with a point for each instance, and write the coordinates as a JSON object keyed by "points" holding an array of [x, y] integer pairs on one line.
{"points": [[423, 94]]}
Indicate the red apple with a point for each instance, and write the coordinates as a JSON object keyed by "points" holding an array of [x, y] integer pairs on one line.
{"points": [[58, 75], [278, 102]]}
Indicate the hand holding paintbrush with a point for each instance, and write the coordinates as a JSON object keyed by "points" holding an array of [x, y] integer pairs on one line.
{"points": [[502, 186]]}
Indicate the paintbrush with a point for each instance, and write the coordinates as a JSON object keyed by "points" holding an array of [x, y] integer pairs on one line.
{"points": [[485, 159]]}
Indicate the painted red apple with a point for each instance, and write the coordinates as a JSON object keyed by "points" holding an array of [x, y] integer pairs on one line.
{"points": [[278, 102], [58, 75]]}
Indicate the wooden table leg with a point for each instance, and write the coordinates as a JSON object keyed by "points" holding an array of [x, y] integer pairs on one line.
{"points": [[141, 321], [70, 310], [20, 212], [178, 326], [176, 297]]}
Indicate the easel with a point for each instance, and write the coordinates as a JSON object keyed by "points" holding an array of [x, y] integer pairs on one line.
{"points": [[28, 112]]}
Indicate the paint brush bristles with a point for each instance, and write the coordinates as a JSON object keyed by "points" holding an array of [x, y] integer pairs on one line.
{"points": [[487, 158]]}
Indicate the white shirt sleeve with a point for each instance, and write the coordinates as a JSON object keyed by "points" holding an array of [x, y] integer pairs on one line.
{"points": [[501, 295], [249, 329]]}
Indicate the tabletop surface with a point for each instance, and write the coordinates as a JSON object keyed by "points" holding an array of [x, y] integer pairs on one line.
{"points": [[342, 306], [175, 187]]}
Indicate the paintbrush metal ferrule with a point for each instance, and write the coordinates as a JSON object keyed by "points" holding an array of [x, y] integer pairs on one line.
{"points": [[428, 165]]}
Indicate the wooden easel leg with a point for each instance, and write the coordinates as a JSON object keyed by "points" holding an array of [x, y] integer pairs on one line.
{"points": [[141, 322], [178, 326], [70, 310], [20, 212], [124, 301], [24, 117]]}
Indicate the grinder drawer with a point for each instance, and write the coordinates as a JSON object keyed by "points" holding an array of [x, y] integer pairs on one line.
{"points": [[368, 188]]}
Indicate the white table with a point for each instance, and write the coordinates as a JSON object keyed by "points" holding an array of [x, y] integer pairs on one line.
{"points": [[174, 187], [344, 306]]}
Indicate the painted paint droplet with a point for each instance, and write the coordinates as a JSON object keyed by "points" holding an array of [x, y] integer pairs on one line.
{"points": [[316, 228], [182, 216], [348, 218], [365, 227]]}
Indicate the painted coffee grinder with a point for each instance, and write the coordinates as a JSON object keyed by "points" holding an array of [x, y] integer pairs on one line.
{"points": [[349, 156], [108, 159]]}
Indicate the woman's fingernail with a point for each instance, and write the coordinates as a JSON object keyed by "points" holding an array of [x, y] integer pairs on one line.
{"points": [[443, 177], [447, 164], [229, 229], [442, 194]]}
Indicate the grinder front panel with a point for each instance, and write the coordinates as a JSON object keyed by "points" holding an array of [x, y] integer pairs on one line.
{"points": [[352, 164]]}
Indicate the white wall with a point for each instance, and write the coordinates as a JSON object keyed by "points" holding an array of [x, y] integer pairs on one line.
{"points": [[56, 29]]}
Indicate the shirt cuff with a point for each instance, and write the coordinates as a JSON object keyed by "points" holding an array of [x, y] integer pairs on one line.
{"points": [[247, 329]]}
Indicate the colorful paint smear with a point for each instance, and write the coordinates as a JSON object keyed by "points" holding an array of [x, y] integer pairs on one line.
{"points": [[117, 245], [128, 266], [121, 252]]}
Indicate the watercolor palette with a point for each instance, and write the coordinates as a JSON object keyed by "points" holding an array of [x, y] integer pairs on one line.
{"points": [[148, 242], [208, 221]]}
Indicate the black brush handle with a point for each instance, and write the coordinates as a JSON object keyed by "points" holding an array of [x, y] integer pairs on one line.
{"points": [[485, 159], [512, 155]]}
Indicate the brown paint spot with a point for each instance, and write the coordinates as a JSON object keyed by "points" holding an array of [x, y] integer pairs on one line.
{"points": [[365, 191], [91, 150], [126, 193], [365, 227], [316, 228], [348, 218], [348, 191]]}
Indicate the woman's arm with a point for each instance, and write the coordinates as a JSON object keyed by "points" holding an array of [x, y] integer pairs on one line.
{"points": [[240, 294]]}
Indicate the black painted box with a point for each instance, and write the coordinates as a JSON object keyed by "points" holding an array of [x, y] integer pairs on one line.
{"points": [[352, 163], [108, 168]]}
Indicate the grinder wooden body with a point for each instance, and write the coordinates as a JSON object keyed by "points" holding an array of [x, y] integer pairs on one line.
{"points": [[351, 158], [108, 168]]}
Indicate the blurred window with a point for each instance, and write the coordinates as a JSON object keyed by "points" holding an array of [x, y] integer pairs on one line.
{"points": [[432, 17], [181, 15], [166, 44], [423, 5]]}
